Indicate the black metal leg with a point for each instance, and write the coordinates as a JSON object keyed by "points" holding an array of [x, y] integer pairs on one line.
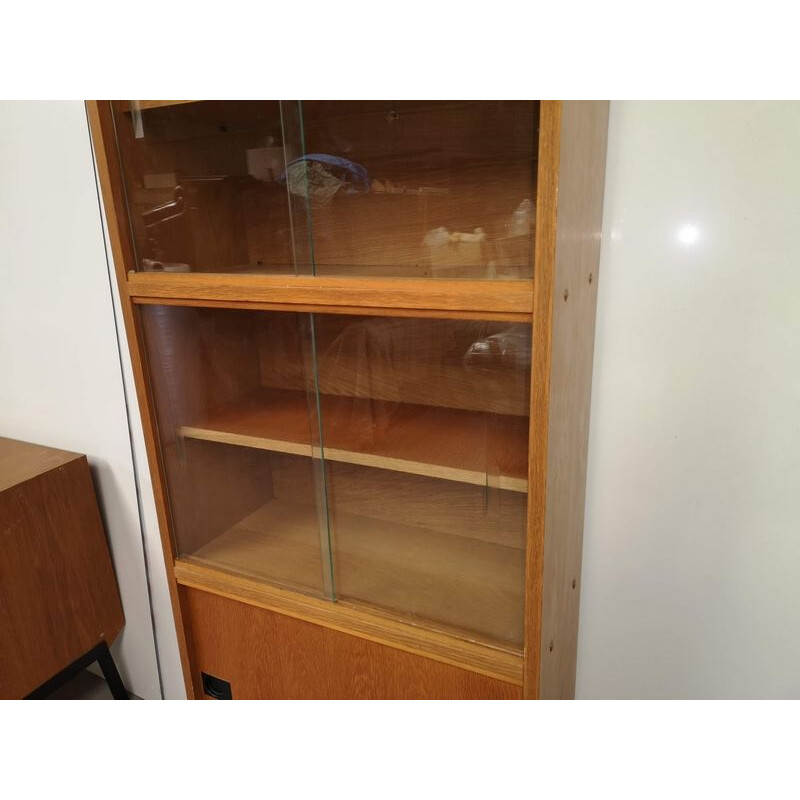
{"points": [[110, 672], [102, 655]]}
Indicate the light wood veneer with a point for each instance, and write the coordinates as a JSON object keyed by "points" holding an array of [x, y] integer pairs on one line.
{"points": [[453, 444], [464, 583], [278, 642]]}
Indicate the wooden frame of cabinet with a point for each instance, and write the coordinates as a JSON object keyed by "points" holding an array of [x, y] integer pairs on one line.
{"points": [[560, 303]]}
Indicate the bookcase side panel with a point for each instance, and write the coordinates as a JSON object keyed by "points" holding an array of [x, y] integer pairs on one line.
{"points": [[584, 127]]}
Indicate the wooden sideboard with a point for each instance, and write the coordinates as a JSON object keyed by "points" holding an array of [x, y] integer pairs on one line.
{"points": [[58, 593]]}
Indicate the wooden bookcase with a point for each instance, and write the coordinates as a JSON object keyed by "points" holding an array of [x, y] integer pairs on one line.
{"points": [[362, 337]]}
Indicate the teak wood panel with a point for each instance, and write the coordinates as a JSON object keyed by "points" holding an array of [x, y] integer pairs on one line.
{"points": [[217, 486], [357, 619], [477, 512], [242, 305], [455, 365], [21, 461], [437, 578], [266, 655], [429, 297], [569, 220], [452, 364], [231, 292], [58, 593]]}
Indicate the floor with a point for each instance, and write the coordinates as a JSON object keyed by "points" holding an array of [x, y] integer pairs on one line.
{"points": [[85, 686]]}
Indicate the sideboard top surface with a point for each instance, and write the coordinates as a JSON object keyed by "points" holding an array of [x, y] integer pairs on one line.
{"points": [[21, 461]]}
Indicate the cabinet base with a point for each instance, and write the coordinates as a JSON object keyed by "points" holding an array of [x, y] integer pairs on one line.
{"points": [[265, 655]]}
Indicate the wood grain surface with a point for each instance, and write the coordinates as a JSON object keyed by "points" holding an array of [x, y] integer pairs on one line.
{"points": [[478, 512], [266, 655], [425, 296], [431, 577], [569, 220], [58, 593], [365, 237], [452, 444], [21, 461], [361, 620]]}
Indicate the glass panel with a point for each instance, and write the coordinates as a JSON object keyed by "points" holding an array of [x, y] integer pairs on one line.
{"points": [[238, 424], [425, 433], [205, 185], [376, 459], [440, 189]]}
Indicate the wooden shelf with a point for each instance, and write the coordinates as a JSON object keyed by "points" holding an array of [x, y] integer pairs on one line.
{"points": [[144, 105], [279, 543], [460, 583], [482, 272], [504, 300], [451, 444]]}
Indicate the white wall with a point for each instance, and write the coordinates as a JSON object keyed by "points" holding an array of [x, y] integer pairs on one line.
{"points": [[161, 605], [691, 574], [60, 380]]}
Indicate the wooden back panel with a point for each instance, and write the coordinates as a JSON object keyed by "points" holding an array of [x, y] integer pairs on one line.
{"points": [[458, 165], [190, 160], [480, 366]]}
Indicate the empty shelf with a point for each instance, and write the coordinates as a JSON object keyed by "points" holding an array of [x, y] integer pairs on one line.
{"points": [[457, 582], [453, 444]]}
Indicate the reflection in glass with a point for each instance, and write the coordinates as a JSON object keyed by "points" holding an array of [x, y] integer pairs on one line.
{"points": [[425, 432], [203, 185], [378, 460], [227, 444], [439, 189]]}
